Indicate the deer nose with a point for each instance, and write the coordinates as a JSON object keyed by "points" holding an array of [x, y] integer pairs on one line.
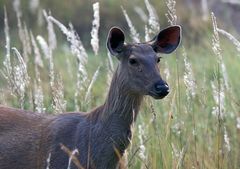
{"points": [[161, 88]]}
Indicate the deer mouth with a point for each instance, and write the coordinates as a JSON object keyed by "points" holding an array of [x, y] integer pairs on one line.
{"points": [[157, 95]]}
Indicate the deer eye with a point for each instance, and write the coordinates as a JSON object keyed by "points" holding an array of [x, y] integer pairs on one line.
{"points": [[158, 59], [133, 61]]}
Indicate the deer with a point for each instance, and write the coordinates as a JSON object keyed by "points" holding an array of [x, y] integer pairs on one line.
{"points": [[38, 141]]}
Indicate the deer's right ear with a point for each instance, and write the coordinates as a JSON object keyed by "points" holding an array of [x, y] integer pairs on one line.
{"points": [[115, 41]]}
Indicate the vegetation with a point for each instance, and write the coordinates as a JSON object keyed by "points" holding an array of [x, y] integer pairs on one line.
{"points": [[196, 126]]}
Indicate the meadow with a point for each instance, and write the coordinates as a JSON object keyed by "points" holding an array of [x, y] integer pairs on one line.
{"points": [[196, 126]]}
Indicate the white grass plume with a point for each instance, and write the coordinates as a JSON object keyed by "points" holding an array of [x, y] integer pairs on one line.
{"points": [[230, 37], [24, 38], [59, 103], [110, 61], [38, 92], [48, 55], [171, 13], [37, 56], [95, 28], [16, 75], [48, 161], [27, 45], [227, 140], [134, 35], [79, 51], [166, 71], [215, 39], [7, 59], [52, 40], [153, 18], [88, 93], [38, 97], [238, 122], [142, 148], [188, 77], [217, 50], [56, 84], [219, 98], [75, 42], [20, 77], [44, 46], [147, 34], [182, 154]]}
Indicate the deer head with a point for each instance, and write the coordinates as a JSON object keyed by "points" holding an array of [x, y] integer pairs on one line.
{"points": [[139, 62]]}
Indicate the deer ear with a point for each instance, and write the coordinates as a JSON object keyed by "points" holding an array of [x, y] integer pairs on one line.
{"points": [[167, 40], [115, 41]]}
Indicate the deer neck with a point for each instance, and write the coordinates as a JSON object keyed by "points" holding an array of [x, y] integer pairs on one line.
{"points": [[121, 105]]}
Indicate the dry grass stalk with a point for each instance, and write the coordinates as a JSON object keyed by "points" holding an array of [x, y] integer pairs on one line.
{"points": [[59, 103], [75, 42], [188, 77], [38, 92], [23, 33], [79, 51], [166, 71], [147, 34], [7, 70], [48, 161], [37, 56], [95, 28], [171, 13], [38, 97], [88, 93], [219, 98], [227, 140], [230, 37], [52, 40], [134, 35], [142, 148], [153, 18], [238, 122], [16, 76], [20, 78], [48, 55], [217, 51], [74, 159]]}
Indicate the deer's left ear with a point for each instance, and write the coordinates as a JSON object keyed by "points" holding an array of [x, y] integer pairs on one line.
{"points": [[167, 40]]}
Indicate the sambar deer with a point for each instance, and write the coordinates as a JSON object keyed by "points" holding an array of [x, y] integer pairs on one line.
{"points": [[102, 135]]}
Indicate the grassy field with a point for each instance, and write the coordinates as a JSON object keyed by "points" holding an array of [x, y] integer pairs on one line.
{"points": [[196, 126]]}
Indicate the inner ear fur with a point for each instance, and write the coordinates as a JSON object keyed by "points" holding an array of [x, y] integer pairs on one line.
{"points": [[167, 40]]}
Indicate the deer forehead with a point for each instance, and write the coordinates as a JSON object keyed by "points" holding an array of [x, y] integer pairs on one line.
{"points": [[143, 51]]}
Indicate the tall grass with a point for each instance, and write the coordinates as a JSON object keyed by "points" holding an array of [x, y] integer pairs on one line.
{"points": [[196, 126]]}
